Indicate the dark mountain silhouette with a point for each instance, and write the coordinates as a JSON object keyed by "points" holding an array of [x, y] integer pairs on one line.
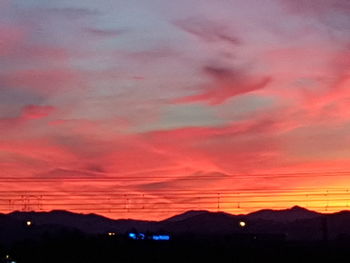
{"points": [[87, 223], [296, 223], [186, 215], [284, 215], [203, 222]]}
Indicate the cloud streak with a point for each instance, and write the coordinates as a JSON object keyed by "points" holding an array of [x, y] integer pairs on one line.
{"points": [[208, 31], [226, 84]]}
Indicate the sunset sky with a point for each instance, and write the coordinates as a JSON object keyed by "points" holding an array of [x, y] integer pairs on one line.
{"points": [[145, 109]]}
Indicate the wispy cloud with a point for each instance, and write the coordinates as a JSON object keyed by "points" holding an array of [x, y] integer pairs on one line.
{"points": [[70, 12], [98, 32], [207, 30], [226, 83]]}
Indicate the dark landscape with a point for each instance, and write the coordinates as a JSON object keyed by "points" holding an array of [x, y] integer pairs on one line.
{"points": [[289, 235]]}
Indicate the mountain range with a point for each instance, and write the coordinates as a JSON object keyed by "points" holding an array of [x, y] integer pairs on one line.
{"points": [[295, 223]]}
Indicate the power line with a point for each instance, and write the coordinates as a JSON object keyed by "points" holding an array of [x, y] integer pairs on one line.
{"points": [[192, 177]]}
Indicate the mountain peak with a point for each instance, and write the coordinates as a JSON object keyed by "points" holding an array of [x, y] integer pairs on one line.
{"points": [[299, 208], [186, 215], [284, 215]]}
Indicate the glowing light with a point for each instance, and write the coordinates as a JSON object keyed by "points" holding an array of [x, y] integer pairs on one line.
{"points": [[161, 237], [132, 235], [29, 223], [111, 234], [138, 236], [242, 224]]}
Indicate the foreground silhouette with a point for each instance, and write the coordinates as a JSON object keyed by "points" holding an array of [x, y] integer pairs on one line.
{"points": [[288, 235]]}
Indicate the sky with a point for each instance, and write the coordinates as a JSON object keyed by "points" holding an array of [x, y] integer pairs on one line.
{"points": [[144, 109]]}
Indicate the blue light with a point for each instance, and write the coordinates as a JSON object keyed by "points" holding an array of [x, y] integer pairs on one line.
{"points": [[161, 237], [132, 236], [137, 236]]}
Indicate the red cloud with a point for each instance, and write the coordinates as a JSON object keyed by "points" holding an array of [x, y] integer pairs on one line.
{"points": [[36, 112], [29, 112], [226, 84]]}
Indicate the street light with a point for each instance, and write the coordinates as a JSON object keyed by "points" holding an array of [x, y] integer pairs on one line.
{"points": [[242, 224]]}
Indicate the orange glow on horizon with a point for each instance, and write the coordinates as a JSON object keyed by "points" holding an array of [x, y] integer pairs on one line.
{"points": [[100, 197]]}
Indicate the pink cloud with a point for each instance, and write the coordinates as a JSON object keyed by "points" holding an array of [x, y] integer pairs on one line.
{"points": [[71, 12], [36, 112], [104, 32], [330, 104], [226, 83], [208, 31], [43, 80], [333, 14], [36, 54], [10, 37], [43, 151], [152, 55], [333, 106], [238, 146], [29, 112], [324, 6]]}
